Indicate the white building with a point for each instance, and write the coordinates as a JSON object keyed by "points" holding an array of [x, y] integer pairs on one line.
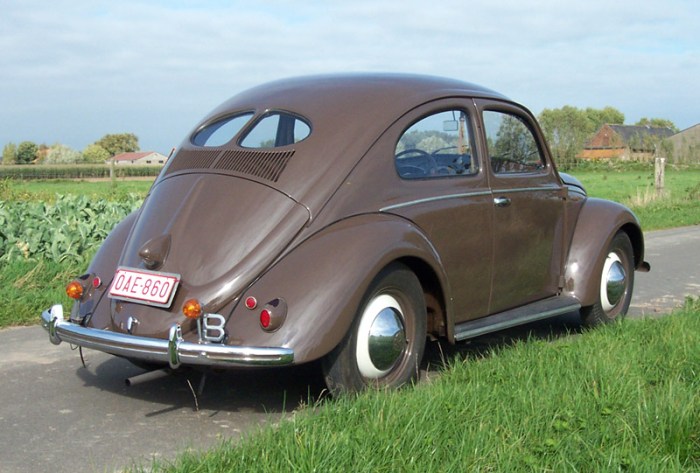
{"points": [[146, 158]]}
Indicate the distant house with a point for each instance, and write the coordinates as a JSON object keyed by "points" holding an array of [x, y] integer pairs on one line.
{"points": [[686, 145], [626, 142], [145, 158]]}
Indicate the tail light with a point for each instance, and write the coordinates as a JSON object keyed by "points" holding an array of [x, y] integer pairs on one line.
{"points": [[75, 289], [192, 309]]}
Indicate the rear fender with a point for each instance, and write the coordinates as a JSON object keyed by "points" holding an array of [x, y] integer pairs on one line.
{"points": [[104, 265], [323, 281], [598, 222]]}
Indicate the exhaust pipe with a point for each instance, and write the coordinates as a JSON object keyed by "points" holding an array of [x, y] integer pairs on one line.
{"points": [[148, 376]]}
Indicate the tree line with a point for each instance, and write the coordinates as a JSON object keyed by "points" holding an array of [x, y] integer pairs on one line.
{"points": [[567, 129], [28, 152]]}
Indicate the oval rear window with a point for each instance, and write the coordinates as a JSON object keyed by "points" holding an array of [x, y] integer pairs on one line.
{"points": [[221, 131]]}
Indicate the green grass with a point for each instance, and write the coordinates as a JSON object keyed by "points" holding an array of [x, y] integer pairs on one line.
{"points": [[622, 398], [680, 206], [47, 190], [28, 288]]}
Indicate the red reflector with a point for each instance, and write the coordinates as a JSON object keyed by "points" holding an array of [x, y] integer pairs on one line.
{"points": [[251, 303], [265, 318], [97, 282]]}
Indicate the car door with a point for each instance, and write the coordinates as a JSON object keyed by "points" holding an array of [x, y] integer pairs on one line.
{"points": [[443, 189], [528, 204]]}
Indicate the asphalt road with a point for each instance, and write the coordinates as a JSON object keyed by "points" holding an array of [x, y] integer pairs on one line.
{"points": [[59, 416]]}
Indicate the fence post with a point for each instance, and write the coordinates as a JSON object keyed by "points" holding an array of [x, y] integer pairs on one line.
{"points": [[659, 177]]}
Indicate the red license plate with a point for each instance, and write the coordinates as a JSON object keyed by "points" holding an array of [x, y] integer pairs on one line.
{"points": [[145, 287]]}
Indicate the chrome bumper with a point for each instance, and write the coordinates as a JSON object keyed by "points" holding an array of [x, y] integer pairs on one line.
{"points": [[174, 351]]}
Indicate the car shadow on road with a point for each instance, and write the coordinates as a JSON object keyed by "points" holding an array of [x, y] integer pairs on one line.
{"points": [[273, 390], [282, 390], [440, 354]]}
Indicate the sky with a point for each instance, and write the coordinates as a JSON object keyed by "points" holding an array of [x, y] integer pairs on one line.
{"points": [[72, 71]]}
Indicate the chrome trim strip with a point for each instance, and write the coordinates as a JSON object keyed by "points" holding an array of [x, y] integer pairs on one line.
{"points": [[525, 189], [433, 199], [174, 351]]}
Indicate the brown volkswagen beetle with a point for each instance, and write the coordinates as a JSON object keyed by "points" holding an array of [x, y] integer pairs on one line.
{"points": [[347, 218]]}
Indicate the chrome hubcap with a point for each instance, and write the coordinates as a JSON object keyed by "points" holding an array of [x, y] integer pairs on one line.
{"points": [[613, 283], [387, 339], [381, 337]]}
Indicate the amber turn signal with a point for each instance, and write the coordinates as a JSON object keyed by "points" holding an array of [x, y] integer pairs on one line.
{"points": [[192, 309], [74, 290]]}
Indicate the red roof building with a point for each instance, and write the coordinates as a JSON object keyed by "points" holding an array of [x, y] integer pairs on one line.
{"points": [[145, 158]]}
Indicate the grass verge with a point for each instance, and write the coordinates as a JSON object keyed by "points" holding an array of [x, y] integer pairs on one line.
{"points": [[27, 288], [622, 398]]}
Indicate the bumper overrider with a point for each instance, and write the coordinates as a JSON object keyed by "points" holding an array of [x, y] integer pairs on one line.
{"points": [[174, 351]]}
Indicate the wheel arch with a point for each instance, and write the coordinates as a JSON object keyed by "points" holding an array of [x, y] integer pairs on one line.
{"points": [[598, 223], [326, 277]]}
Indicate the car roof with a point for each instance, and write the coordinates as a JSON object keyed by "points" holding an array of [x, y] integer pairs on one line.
{"points": [[320, 95], [347, 114]]}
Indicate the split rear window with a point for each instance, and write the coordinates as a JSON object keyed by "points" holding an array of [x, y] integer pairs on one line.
{"points": [[272, 130]]}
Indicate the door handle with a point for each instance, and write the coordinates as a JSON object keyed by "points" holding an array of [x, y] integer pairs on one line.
{"points": [[501, 201]]}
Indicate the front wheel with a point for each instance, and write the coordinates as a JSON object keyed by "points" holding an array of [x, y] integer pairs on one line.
{"points": [[385, 344], [615, 286]]}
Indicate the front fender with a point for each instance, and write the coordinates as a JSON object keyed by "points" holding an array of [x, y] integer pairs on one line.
{"points": [[323, 281], [598, 222]]}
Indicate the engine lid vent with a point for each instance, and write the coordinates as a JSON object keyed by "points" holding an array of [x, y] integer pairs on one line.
{"points": [[192, 159], [262, 164]]}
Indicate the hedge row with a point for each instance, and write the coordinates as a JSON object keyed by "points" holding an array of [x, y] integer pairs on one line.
{"points": [[73, 171]]}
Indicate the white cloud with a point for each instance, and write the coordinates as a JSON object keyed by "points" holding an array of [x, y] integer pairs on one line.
{"points": [[75, 70]]}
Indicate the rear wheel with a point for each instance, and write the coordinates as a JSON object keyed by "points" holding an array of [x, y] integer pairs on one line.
{"points": [[385, 344], [615, 286]]}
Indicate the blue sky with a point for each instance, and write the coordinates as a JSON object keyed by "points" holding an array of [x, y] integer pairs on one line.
{"points": [[73, 71]]}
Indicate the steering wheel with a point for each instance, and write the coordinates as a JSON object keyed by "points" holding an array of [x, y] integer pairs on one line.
{"points": [[420, 154]]}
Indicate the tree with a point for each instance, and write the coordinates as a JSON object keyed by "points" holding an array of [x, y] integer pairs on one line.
{"points": [[26, 152], [62, 154], [657, 123], [119, 143], [95, 153], [568, 128], [605, 116], [9, 153]]}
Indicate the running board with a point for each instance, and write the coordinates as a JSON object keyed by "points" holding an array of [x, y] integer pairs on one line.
{"points": [[521, 315]]}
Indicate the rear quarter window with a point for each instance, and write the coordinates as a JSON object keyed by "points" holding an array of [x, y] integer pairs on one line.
{"points": [[435, 146]]}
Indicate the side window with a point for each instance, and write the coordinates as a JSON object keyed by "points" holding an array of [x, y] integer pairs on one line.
{"points": [[511, 145], [438, 145], [276, 129]]}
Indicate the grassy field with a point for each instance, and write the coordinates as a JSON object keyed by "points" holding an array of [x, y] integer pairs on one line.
{"points": [[47, 190], [620, 398], [679, 206]]}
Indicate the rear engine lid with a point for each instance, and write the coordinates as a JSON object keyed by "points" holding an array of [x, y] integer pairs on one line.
{"points": [[217, 232]]}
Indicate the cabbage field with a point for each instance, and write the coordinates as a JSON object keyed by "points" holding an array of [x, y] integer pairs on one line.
{"points": [[65, 230]]}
